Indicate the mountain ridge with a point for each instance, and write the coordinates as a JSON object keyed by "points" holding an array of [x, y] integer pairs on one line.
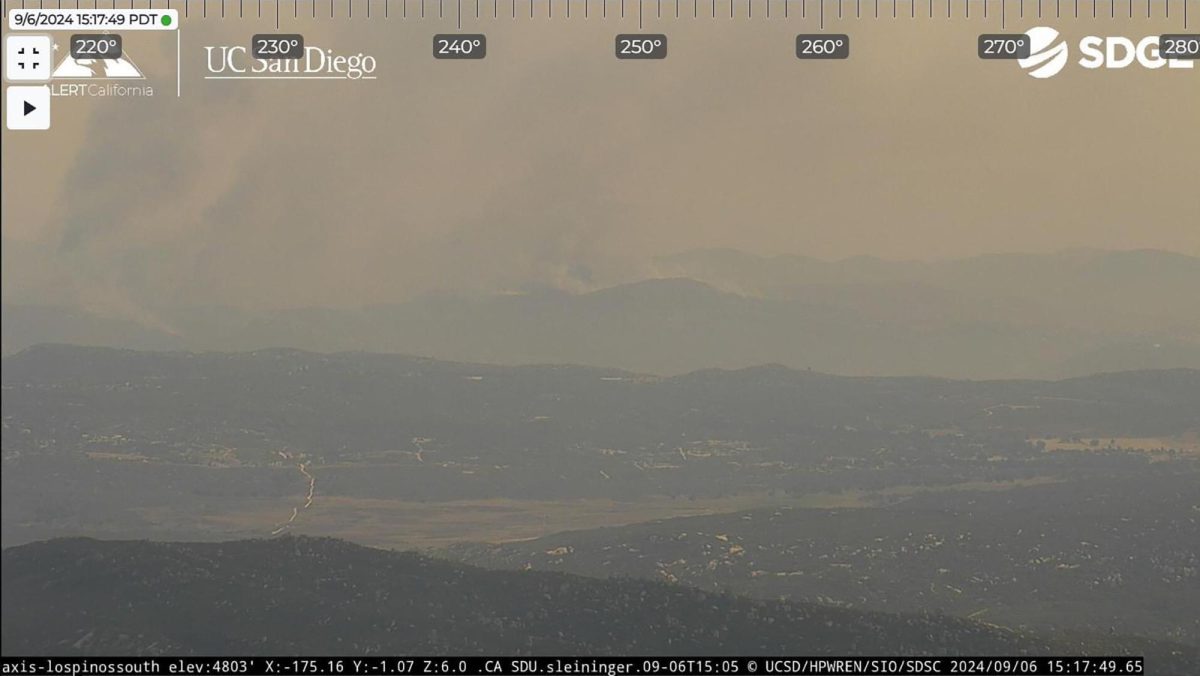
{"points": [[999, 316]]}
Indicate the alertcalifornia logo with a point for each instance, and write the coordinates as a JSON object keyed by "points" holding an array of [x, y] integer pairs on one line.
{"points": [[1049, 54]]}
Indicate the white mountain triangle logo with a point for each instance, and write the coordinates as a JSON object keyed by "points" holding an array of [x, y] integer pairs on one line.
{"points": [[98, 69]]}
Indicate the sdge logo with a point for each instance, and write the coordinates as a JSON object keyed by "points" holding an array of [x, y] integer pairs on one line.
{"points": [[1048, 54]]}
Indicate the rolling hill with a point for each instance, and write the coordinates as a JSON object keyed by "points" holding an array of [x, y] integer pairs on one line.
{"points": [[305, 596]]}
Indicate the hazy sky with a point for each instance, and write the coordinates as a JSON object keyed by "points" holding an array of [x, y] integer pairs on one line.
{"points": [[552, 162]]}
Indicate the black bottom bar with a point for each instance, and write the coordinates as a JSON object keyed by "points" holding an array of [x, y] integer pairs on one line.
{"points": [[608, 666]]}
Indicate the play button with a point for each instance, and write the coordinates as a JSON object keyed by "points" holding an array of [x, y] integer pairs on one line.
{"points": [[27, 108]]}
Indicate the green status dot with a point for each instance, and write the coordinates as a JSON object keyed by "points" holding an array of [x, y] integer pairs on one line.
{"points": [[166, 20]]}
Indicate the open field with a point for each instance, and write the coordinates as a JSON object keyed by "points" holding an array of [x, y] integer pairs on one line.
{"points": [[112, 496], [1157, 448], [407, 524]]}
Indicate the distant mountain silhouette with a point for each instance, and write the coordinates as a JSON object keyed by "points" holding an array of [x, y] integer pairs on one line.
{"points": [[1010, 316]]}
